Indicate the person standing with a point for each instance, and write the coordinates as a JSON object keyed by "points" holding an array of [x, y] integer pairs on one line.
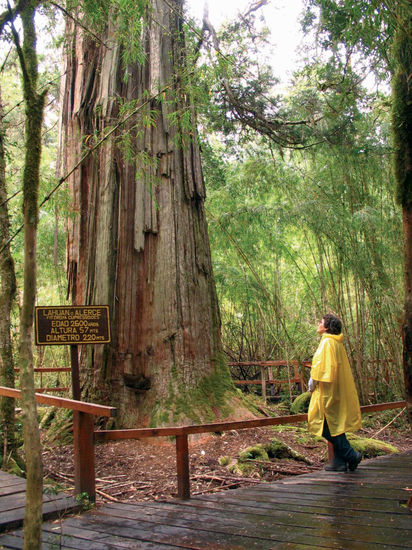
{"points": [[334, 406]]}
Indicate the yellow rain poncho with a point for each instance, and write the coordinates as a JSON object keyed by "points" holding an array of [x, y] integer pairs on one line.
{"points": [[334, 396]]}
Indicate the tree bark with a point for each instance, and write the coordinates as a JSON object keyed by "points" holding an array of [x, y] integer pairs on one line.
{"points": [[7, 295], [407, 323], [34, 105], [402, 138], [138, 240]]}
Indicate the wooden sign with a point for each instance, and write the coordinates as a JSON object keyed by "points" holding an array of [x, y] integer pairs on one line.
{"points": [[68, 325]]}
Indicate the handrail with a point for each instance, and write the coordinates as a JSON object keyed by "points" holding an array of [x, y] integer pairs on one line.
{"points": [[83, 427], [275, 363], [182, 432], [62, 402], [297, 377], [113, 435], [84, 435], [110, 435], [48, 369]]}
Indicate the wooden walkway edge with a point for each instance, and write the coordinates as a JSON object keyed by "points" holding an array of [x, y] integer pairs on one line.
{"points": [[13, 501], [363, 510]]}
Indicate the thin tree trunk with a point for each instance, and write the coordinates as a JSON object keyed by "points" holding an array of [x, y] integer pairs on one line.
{"points": [[34, 104], [7, 295]]}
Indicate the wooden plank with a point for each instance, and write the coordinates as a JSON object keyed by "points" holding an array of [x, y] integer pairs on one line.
{"points": [[71, 528], [54, 508], [261, 532], [91, 408], [197, 535], [301, 514], [241, 519], [313, 502]]}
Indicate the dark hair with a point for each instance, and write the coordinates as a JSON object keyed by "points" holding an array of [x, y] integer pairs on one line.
{"points": [[332, 324]]}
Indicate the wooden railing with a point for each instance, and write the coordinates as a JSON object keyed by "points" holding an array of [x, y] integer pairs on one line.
{"points": [[43, 370], [182, 432], [83, 428], [267, 366], [84, 435]]}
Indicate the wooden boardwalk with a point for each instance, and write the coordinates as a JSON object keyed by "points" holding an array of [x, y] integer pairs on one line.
{"points": [[364, 510], [13, 500]]}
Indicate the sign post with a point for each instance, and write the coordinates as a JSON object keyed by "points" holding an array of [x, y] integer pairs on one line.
{"points": [[72, 325]]}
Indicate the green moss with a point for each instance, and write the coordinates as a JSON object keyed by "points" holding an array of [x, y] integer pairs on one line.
{"points": [[200, 403], [371, 447], [257, 452], [14, 468], [241, 469], [301, 403], [279, 449], [60, 431], [224, 460]]}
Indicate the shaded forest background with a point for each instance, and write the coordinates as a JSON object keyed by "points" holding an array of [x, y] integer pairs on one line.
{"points": [[301, 221]]}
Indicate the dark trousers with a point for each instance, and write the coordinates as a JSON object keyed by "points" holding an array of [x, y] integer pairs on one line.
{"points": [[341, 446]]}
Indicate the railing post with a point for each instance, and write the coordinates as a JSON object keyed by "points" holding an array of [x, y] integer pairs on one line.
{"points": [[263, 376], [182, 464], [83, 443], [331, 452]]}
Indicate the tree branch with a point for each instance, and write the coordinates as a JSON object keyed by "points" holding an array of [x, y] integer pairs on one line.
{"points": [[10, 14]]}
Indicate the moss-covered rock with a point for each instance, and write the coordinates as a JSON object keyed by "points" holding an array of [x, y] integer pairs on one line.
{"points": [[301, 403], [371, 447]]}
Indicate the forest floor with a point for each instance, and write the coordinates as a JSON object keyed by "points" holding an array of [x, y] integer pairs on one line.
{"points": [[130, 471]]}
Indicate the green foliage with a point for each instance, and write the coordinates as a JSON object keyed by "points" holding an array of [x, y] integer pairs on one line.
{"points": [[84, 500], [257, 452], [371, 448], [301, 403], [365, 26], [295, 235]]}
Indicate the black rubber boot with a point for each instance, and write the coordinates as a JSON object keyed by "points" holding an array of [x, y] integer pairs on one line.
{"points": [[354, 461], [337, 465]]}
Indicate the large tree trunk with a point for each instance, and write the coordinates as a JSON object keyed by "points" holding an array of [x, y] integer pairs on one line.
{"points": [[7, 294], [402, 138], [138, 240]]}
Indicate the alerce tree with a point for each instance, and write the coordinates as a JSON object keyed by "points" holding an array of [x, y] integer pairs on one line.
{"points": [[138, 239]]}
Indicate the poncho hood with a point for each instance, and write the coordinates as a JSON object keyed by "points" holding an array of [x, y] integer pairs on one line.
{"points": [[336, 337]]}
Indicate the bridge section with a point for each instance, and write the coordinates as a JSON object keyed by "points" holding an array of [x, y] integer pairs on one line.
{"points": [[363, 510]]}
